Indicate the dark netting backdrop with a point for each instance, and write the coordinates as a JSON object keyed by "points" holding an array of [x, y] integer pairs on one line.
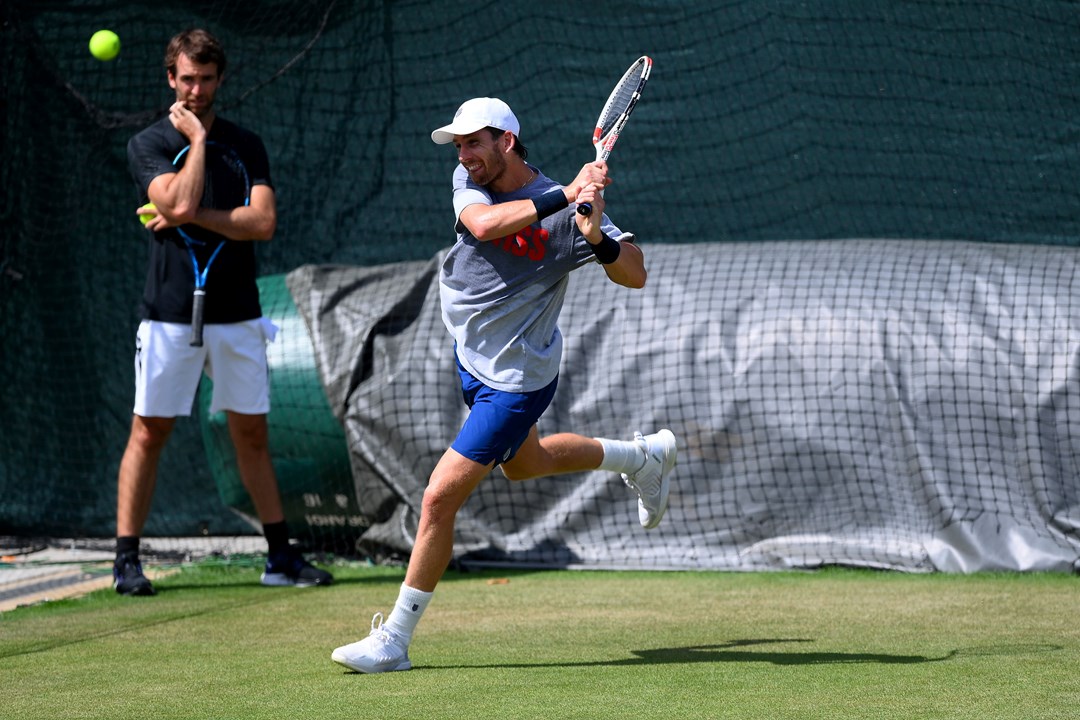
{"points": [[860, 220]]}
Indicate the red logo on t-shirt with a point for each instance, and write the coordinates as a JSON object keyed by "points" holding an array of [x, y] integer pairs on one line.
{"points": [[530, 242]]}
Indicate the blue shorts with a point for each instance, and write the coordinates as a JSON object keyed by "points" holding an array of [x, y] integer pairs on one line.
{"points": [[498, 422]]}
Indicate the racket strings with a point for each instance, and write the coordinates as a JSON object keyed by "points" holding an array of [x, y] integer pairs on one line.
{"points": [[622, 97]]}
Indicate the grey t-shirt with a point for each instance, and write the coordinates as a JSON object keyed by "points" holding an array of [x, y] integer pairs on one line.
{"points": [[501, 299]]}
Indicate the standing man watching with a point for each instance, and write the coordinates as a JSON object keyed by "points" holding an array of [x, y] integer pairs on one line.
{"points": [[185, 204], [502, 286]]}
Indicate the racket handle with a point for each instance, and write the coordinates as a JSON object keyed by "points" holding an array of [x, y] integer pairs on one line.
{"points": [[198, 301], [586, 208]]}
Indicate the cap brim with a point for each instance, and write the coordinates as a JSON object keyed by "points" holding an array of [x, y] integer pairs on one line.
{"points": [[446, 133]]}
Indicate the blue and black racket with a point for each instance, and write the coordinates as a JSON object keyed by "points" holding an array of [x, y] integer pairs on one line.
{"points": [[226, 186]]}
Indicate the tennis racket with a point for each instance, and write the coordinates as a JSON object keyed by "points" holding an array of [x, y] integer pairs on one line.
{"points": [[616, 112], [226, 186]]}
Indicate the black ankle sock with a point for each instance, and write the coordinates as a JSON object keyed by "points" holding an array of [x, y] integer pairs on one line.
{"points": [[127, 545], [277, 537]]}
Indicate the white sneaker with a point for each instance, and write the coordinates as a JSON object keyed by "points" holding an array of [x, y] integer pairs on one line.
{"points": [[381, 651], [651, 482]]}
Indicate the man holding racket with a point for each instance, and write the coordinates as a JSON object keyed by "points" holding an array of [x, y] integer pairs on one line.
{"points": [[208, 212], [502, 286]]}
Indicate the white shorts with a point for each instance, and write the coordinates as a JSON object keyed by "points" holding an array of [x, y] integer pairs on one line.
{"points": [[168, 368]]}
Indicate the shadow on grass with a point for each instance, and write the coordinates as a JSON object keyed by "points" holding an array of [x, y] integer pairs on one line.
{"points": [[253, 581], [126, 627], [730, 652], [173, 588]]}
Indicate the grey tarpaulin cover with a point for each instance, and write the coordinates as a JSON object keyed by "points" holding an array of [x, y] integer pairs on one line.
{"points": [[895, 404]]}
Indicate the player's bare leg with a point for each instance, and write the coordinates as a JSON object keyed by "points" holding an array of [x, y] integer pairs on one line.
{"points": [[249, 435], [134, 494], [553, 455], [138, 472], [451, 483], [647, 460], [644, 464], [387, 647], [284, 564]]}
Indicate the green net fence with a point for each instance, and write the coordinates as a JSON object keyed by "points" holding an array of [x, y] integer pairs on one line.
{"points": [[763, 121]]}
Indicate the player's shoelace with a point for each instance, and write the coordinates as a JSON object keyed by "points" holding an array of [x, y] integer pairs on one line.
{"points": [[631, 479], [379, 632]]}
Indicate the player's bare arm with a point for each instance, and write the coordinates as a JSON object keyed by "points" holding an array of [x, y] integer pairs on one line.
{"points": [[628, 269], [491, 222], [177, 195], [255, 221]]}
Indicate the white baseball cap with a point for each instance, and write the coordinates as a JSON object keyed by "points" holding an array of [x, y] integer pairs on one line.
{"points": [[477, 114]]}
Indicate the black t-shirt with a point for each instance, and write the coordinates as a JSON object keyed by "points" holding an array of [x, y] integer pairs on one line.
{"points": [[231, 292]]}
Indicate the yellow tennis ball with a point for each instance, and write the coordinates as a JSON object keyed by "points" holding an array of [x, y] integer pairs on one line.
{"points": [[104, 45], [144, 217]]}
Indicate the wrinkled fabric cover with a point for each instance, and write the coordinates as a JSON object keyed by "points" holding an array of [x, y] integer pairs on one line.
{"points": [[912, 405]]}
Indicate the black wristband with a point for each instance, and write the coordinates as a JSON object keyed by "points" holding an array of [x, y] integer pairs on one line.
{"points": [[607, 250], [549, 203]]}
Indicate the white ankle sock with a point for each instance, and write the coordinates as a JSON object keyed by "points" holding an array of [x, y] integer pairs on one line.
{"points": [[410, 605], [621, 456]]}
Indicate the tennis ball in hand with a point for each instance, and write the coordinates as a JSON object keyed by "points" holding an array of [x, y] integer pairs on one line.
{"points": [[147, 217], [104, 45]]}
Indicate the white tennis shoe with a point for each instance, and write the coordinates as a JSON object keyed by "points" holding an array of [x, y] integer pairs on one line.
{"points": [[651, 482], [381, 651]]}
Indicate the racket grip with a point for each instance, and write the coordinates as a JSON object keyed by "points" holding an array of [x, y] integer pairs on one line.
{"points": [[197, 304], [586, 208]]}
